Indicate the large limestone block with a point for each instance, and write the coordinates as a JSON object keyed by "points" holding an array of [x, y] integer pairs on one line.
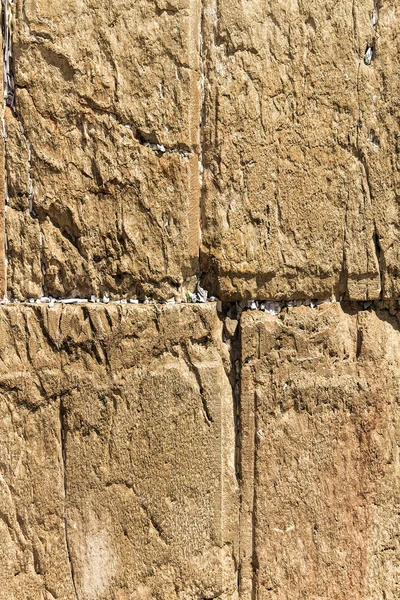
{"points": [[102, 151], [117, 455], [320, 430], [300, 143]]}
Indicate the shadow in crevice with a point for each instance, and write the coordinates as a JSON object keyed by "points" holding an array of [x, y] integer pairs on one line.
{"points": [[386, 310]]}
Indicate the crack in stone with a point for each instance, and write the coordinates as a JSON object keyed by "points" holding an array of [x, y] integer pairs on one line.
{"points": [[63, 437], [149, 140], [30, 179], [202, 117], [8, 66], [158, 148], [375, 13], [272, 307], [143, 507], [8, 101], [379, 259], [369, 53]]}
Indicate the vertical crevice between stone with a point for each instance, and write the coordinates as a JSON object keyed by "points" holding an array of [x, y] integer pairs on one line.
{"points": [[195, 62], [8, 100], [8, 67], [246, 444], [375, 13], [236, 360], [9, 111], [201, 120], [204, 48]]}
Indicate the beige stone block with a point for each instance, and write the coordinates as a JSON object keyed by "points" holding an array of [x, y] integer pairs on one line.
{"points": [[117, 454], [320, 426], [103, 149], [300, 146]]}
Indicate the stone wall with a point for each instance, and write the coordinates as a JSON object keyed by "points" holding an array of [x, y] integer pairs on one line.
{"points": [[200, 346]]}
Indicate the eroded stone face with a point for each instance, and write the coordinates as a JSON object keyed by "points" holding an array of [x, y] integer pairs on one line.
{"points": [[117, 454], [95, 208], [299, 143], [300, 146], [320, 428]]}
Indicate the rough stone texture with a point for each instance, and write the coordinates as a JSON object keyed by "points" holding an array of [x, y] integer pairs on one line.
{"points": [[300, 149], [3, 259], [119, 442], [3, 268], [95, 82], [320, 431], [117, 475]]}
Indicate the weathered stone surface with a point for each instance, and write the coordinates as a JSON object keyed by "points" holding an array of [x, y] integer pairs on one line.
{"points": [[320, 427], [300, 145], [3, 258], [96, 82], [117, 475], [3, 269], [117, 429]]}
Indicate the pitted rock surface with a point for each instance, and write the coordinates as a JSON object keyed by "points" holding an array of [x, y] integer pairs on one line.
{"points": [[300, 146], [320, 425], [117, 454], [107, 131], [161, 150]]}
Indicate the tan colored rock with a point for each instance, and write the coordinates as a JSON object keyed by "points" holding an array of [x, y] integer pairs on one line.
{"points": [[300, 145], [98, 86], [3, 258], [379, 139], [320, 433], [116, 454], [3, 266]]}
